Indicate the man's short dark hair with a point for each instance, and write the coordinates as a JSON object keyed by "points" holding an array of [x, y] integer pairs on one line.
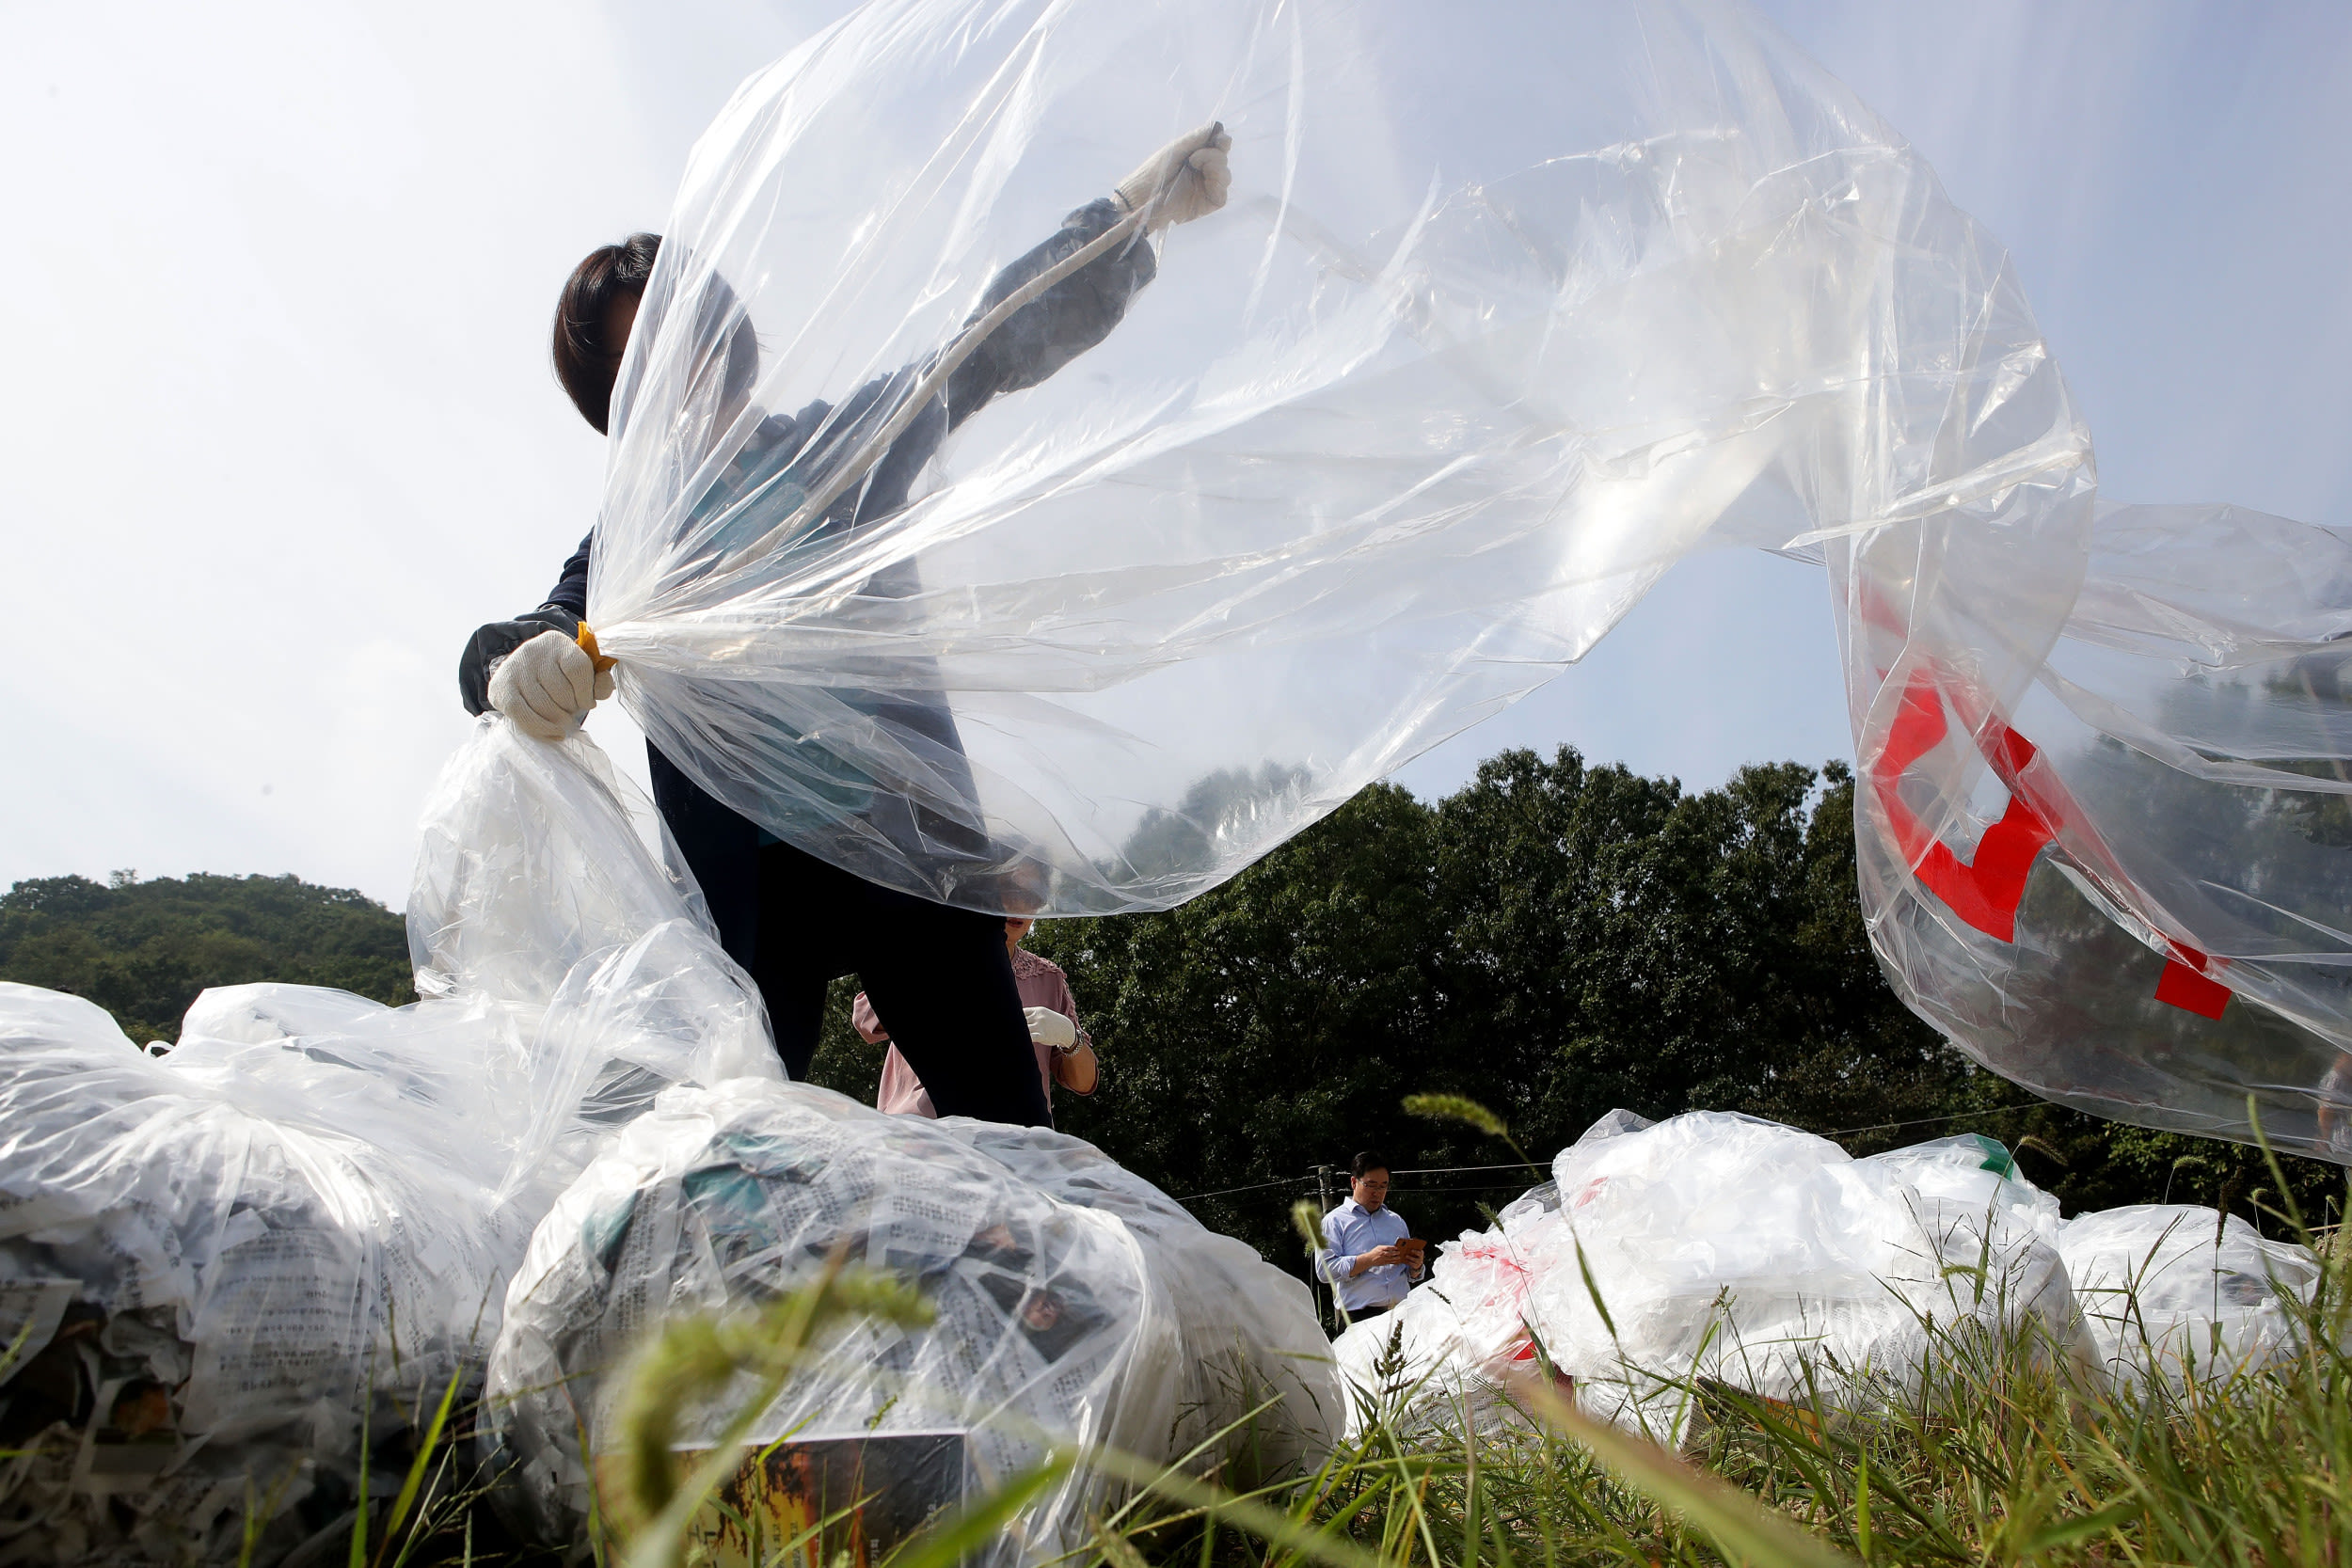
{"points": [[1365, 1164]]}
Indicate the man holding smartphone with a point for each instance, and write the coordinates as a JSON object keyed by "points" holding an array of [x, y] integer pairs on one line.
{"points": [[1367, 1256]]}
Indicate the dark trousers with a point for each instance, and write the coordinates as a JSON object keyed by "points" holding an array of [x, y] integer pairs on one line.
{"points": [[940, 979]]}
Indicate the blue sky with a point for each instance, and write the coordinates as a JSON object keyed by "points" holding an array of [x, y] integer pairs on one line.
{"points": [[280, 428]]}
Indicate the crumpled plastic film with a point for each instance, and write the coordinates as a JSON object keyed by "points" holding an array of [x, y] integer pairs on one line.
{"points": [[1076, 1304], [251, 1245], [1729, 1248], [1457, 1354], [530, 857], [2168, 1289], [305, 1214], [1510, 308], [2122, 883]]}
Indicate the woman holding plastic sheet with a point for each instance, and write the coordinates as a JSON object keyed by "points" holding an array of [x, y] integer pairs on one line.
{"points": [[940, 978]]}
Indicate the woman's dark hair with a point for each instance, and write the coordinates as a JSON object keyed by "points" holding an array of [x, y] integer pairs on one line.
{"points": [[1365, 1164], [585, 363]]}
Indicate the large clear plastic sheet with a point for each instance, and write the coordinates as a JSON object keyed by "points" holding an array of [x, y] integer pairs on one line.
{"points": [[1510, 307], [1076, 1304]]}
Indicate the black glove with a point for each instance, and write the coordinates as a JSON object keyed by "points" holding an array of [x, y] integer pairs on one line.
{"points": [[490, 644]]}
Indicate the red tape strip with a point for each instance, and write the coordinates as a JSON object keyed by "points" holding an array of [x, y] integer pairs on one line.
{"points": [[2184, 985], [1986, 893]]}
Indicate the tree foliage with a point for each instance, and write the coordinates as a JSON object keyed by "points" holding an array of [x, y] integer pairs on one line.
{"points": [[143, 949]]}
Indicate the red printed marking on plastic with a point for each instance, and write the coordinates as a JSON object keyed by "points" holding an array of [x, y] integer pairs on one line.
{"points": [[1986, 893], [2184, 985]]}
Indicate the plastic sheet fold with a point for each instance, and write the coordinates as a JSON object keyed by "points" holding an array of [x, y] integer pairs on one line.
{"points": [[2122, 884]]}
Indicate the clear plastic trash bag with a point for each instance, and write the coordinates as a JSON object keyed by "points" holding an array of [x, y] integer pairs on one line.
{"points": [[1728, 1248], [1076, 1304], [1767, 1257], [2168, 1289], [248, 1246], [304, 1215], [1510, 307]]}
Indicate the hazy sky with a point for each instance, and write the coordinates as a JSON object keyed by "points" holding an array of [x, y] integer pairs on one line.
{"points": [[277, 428]]}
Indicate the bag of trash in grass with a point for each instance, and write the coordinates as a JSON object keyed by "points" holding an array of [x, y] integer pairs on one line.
{"points": [[1240, 1321], [2171, 1289], [1455, 1354], [215, 1290], [1075, 1305], [217, 1265], [1741, 1251], [1747, 1252]]}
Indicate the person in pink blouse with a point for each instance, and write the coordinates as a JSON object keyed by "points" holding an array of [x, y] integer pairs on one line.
{"points": [[1064, 1054]]}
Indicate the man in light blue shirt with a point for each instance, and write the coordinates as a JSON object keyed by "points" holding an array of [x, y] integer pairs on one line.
{"points": [[1367, 1255]]}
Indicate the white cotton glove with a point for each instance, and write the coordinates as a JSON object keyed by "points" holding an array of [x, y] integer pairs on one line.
{"points": [[548, 686], [1050, 1028], [1186, 180]]}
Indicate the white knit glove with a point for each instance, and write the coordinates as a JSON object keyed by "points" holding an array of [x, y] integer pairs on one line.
{"points": [[1050, 1028], [548, 686], [1186, 180]]}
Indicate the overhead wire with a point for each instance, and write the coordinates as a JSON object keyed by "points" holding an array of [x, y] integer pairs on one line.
{"points": [[1533, 1170]]}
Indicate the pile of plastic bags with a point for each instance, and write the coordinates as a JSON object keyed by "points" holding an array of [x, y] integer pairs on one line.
{"points": [[231, 1256], [225, 1269], [240, 1266], [1076, 1306], [1723, 1248]]}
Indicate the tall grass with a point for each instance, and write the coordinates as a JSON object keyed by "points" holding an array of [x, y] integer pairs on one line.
{"points": [[2007, 1450], [2004, 1448]]}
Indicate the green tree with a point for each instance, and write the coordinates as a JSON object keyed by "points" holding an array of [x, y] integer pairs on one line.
{"points": [[1615, 941], [1554, 940]]}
